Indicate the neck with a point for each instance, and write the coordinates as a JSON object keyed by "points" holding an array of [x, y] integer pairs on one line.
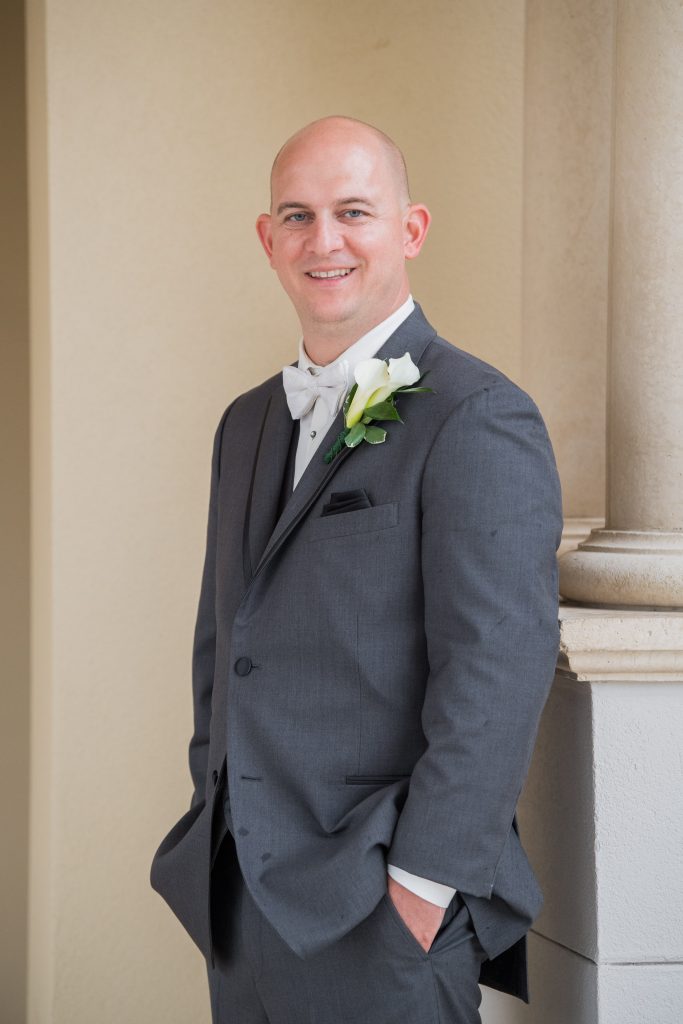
{"points": [[325, 342], [324, 350]]}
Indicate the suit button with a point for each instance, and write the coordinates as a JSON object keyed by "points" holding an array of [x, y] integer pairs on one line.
{"points": [[243, 666], [214, 776]]}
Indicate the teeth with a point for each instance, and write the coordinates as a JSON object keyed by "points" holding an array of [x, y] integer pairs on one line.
{"points": [[329, 273]]}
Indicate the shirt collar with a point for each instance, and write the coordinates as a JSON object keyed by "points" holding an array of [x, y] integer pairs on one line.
{"points": [[366, 347]]}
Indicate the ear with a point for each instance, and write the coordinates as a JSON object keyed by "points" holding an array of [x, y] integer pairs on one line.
{"points": [[264, 230], [415, 229]]}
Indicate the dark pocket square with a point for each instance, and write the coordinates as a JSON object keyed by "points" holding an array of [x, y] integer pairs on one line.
{"points": [[346, 501]]}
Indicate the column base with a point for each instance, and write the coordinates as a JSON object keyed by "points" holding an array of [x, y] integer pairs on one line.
{"points": [[577, 529], [625, 568]]}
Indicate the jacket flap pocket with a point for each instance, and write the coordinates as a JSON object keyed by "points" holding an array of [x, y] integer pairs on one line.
{"points": [[346, 501], [360, 520]]}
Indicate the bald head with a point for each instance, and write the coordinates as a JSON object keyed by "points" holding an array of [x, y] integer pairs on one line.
{"points": [[340, 230], [335, 130]]}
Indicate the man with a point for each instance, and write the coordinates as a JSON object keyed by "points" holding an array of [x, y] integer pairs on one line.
{"points": [[376, 637]]}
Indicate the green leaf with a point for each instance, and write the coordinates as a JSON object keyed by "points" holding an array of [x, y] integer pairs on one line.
{"points": [[375, 435], [355, 435], [405, 391], [382, 411]]}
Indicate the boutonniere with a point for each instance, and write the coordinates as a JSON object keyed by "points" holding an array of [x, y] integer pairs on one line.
{"points": [[378, 383]]}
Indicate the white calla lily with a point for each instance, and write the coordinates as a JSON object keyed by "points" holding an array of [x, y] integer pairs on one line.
{"points": [[371, 374], [377, 380], [403, 372], [372, 377]]}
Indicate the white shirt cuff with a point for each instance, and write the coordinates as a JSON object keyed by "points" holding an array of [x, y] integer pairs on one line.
{"points": [[434, 892]]}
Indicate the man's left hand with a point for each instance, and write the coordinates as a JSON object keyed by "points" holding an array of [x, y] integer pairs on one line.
{"points": [[421, 917]]}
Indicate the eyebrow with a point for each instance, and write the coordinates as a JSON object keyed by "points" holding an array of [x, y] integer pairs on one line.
{"points": [[292, 206], [355, 199], [339, 202]]}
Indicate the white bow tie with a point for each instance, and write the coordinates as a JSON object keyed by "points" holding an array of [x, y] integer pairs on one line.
{"points": [[303, 388]]}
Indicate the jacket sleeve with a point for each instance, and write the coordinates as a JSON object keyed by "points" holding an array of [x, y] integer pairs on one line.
{"points": [[492, 521], [204, 646]]}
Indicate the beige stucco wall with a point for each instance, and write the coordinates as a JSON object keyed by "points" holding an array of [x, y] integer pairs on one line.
{"points": [[14, 514], [567, 171], [152, 127]]}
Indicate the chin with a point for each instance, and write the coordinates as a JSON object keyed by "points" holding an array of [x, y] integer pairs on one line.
{"points": [[328, 315]]}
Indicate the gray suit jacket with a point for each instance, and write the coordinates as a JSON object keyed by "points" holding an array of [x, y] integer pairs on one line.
{"points": [[371, 681]]}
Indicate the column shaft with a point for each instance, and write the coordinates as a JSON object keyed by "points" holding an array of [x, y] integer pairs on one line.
{"points": [[645, 484], [637, 561]]}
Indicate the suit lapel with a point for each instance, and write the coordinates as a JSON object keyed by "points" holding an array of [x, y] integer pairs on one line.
{"points": [[270, 462], [413, 336]]}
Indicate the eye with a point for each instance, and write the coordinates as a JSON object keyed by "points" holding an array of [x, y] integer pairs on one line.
{"points": [[297, 218], [353, 214]]}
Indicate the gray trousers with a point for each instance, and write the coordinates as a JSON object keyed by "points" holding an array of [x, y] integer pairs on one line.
{"points": [[377, 974]]}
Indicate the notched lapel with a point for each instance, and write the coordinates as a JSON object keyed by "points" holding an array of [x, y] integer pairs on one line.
{"points": [[275, 437], [413, 336], [313, 479]]}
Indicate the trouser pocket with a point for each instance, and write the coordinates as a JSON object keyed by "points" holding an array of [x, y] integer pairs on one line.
{"points": [[455, 928]]}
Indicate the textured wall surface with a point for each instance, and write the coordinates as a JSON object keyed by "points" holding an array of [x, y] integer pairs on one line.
{"points": [[567, 165], [14, 517], [152, 129]]}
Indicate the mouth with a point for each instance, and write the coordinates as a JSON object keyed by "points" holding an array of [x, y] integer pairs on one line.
{"points": [[330, 275]]}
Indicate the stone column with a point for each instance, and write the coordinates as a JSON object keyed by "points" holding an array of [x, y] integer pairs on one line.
{"points": [[602, 812], [637, 560]]}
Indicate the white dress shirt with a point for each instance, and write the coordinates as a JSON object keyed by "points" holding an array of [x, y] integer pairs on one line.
{"points": [[314, 425], [318, 420]]}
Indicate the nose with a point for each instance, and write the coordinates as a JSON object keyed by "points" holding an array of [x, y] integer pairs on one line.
{"points": [[325, 236]]}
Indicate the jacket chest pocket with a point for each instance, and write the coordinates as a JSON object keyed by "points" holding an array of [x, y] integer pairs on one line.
{"points": [[346, 524]]}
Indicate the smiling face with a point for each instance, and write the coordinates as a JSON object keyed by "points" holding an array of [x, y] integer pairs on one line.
{"points": [[340, 229]]}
